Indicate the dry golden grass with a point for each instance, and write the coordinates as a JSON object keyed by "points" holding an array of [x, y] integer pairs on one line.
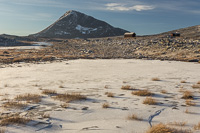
{"points": [[30, 98], [163, 91], [45, 115], [197, 127], [70, 97], [105, 105], [109, 94], [196, 86], [6, 85], [126, 87], [187, 111], [189, 102], [155, 79], [149, 101], [61, 86], [183, 81], [12, 104], [106, 86], [175, 123], [188, 95], [134, 117], [14, 120], [49, 92], [142, 93], [64, 105], [161, 128]]}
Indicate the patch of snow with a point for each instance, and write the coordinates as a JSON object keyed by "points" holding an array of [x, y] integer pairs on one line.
{"points": [[62, 33], [85, 30], [42, 44]]}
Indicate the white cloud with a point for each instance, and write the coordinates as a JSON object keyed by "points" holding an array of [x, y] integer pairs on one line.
{"points": [[123, 7], [113, 4]]}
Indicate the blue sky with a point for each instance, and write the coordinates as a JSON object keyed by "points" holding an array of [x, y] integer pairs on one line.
{"points": [[23, 17]]}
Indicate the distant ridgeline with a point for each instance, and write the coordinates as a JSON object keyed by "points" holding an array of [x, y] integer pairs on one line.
{"points": [[10, 42], [189, 32], [74, 24]]}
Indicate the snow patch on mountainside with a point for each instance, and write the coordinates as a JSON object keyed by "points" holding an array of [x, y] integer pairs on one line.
{"points": [[62, 33], [85, 30]]}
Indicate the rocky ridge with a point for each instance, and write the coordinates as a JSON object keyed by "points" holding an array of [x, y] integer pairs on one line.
{"points": [[4, 41]]}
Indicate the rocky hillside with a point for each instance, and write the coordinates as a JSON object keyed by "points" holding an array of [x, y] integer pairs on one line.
{"points": [[5, 41], [192, 32], [74, 24]]}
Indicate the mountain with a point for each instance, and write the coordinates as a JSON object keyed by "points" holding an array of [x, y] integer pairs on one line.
{"points": [[74, 24]]}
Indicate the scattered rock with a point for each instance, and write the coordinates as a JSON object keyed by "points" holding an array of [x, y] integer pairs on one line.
{"points": [[125, 108], [90, 128], [85, 108]]}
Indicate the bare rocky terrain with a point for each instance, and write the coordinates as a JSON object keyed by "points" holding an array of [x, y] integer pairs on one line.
{"points": [[144, 47], [152, 47]]}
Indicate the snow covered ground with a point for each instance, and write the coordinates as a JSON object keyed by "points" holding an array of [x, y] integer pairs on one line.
{"points": [[94, 78]]}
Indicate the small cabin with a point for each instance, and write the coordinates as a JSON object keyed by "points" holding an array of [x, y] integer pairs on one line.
{"points": [[176, 34], [131, 34]]}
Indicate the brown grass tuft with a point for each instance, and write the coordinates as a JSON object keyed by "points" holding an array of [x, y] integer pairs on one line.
{"points": [[70, 97], [109, 94], [45, 115], [61, 86], [183, 81], [197, 127], [49, 92], [188, 95], [142, 93], [134, 117], [196, 86], [30, 98], [198, 82], [187, 111], [12, 104], [149, 101], [106, 86], [175, 123], [14, 120], [126, 87], [163, 91], [105, 105], [64, 105], [189, 102], [161, 128], [155, 79]]}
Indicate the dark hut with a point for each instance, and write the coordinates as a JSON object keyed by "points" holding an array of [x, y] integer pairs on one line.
{"points": [[176, 34], [131, 34]]}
